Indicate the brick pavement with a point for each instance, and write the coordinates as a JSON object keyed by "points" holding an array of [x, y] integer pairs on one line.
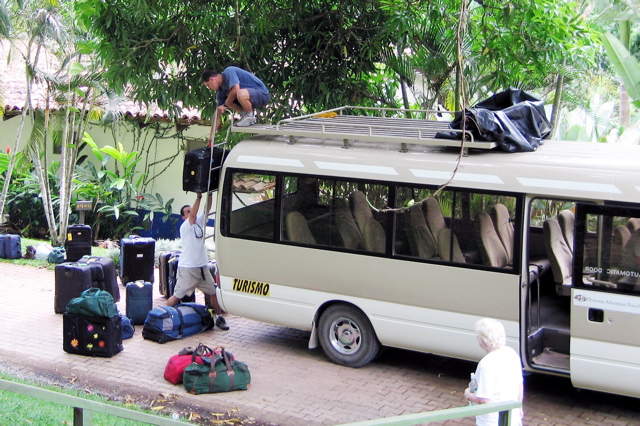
{"points": [[291, 385]]}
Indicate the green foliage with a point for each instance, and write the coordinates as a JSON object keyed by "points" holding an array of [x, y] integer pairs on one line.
{"points": [[626, 66], [310, 53]]}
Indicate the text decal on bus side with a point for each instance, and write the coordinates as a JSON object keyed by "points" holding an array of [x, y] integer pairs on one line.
{"points": [[253, 287]]}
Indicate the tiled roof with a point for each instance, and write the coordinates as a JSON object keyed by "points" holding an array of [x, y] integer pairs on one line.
{"points": [[13, 89]]}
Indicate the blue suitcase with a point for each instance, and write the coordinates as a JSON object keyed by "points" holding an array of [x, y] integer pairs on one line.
{"points": [[137, 259], [139, 300], [11, 246]]}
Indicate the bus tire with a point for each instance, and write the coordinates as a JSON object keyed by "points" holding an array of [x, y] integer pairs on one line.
{"points": [[347, 337]]}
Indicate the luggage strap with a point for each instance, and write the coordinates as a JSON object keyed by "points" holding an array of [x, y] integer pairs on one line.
{"points": [[230, 372]]}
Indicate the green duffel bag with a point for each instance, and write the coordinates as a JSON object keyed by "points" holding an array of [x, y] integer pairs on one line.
{"points": [[93, 302], [226, 375]]}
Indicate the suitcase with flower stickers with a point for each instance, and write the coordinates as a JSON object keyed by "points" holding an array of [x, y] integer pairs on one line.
{"points": [[91, 336]]}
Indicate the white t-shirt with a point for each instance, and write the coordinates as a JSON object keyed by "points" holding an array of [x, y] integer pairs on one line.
{"points": [[499, 377], [194, 253]]}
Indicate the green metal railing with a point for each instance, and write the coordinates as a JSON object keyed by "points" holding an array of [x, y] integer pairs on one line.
{"points": [[504, 408], [83, 409]]}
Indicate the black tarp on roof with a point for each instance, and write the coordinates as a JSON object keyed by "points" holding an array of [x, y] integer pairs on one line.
{"points": [[513, 118]]}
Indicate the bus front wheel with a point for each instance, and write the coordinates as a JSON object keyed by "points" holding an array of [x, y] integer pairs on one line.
{"points": [[347, 336]]}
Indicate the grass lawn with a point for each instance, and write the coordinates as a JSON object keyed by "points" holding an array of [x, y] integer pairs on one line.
{"points": [[17, 409], [161, 245]]}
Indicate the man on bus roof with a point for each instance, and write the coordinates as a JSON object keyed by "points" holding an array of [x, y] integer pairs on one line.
{"points": [[238, 90]]}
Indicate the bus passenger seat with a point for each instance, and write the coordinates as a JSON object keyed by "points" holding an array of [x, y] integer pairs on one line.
{"points": [[504, 228], [347, 228], [448, 247], [567, 223], [559, 255], [633, 223], [491, 248], [360, 209], [298, 229], [421, 240], [374, 237], [621, 236], [433, 216]]}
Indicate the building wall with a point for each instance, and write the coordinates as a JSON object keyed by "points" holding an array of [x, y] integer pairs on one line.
{"points": [[154, 154]]}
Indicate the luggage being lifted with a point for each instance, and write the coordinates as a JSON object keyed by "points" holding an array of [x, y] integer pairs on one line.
{"points": [[137, 259], [201, 172]]}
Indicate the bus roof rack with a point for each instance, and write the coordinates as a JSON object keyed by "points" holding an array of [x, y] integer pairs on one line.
{"points": [[382, 125]]}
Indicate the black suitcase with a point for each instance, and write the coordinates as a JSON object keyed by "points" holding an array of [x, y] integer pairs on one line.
{"points": [[78, 243], [137, 259], [109, 275], [91, 336], [164, 259], [11, 246], [139, 300], [172, 279], [71, 279], [200, 172]]}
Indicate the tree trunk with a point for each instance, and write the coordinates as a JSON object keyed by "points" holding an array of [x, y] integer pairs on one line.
{"points": [[625, 103], [557, 102]]}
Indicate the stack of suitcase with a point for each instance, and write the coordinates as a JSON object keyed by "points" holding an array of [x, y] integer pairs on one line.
{"points": [[201, 172], [72, 278], [91, 336], [93, 330], [78, 243], [137, 259], [168, 274], [10, 246]]}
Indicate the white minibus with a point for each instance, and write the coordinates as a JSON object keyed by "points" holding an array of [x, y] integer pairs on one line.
{"points": [[369, 232]]}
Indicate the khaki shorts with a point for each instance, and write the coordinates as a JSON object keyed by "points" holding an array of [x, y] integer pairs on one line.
{"points": [[191, 278]]}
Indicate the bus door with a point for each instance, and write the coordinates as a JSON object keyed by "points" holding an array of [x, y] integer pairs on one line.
{"points": [[605, 300]]}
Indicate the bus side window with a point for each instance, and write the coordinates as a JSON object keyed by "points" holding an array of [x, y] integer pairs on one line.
{"points": [[252, 205], [610, 251]]}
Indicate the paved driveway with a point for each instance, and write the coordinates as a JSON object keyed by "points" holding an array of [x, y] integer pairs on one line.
{"points": [[291, 385]]}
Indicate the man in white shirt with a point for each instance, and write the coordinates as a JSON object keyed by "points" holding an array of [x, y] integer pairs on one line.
{"points": [[193, 266]]}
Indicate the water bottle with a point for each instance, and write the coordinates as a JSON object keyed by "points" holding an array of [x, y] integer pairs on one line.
{"points": [[473, 386]]}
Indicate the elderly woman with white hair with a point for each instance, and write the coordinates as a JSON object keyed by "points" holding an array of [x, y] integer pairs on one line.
{"points": [[499, 373]]}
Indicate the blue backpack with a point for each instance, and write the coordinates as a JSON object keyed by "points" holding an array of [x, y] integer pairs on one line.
{"points": [[166, 323]]}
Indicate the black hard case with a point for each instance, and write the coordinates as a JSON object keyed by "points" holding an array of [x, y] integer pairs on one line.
{"points": [[78, 243], [71, 279], [168, 271], [167, 267], [91, 336], [200, 173], [137, 259], [110, 277]]}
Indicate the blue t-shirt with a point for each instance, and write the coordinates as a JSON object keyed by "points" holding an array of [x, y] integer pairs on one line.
{"points": [[234, 75]]}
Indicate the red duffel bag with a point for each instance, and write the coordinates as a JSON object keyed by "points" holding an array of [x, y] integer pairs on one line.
{"points": [[174, 370]]}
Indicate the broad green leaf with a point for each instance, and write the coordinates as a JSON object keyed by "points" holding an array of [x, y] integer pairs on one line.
{"points": [[625, 64], [76, 68]]}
